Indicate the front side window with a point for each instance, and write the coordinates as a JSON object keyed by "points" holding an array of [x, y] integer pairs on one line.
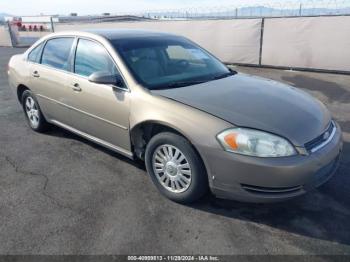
{"points": [[168, 62], [56, 52], [91, 57], [34, 55]]}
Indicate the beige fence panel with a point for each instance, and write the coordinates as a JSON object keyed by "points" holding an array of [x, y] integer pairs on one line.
{"points": [[307, 42], [5, 38], [27, 38], [235, 41]]}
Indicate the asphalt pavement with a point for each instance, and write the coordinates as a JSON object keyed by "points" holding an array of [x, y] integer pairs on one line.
{"points": [[60, 194]]}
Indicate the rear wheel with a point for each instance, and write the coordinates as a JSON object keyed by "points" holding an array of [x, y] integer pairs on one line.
{"points": [[175, 168], [33, 113]]}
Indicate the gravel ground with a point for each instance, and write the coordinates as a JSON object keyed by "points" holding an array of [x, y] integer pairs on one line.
{"points": [[60, 194]]}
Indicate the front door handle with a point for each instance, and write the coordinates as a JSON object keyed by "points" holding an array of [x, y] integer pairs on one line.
{"points": [[76, 87], [35, 74]]}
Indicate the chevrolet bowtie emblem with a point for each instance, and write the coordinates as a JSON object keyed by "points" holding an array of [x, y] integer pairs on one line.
{"points": [[326, 135]]}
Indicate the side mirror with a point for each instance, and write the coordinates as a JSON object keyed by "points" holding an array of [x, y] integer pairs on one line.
{"points": [[232, 71], [106, 79]]}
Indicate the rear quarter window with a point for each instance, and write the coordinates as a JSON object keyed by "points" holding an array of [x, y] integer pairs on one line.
{"points": [[34, 55], [57, 52]]}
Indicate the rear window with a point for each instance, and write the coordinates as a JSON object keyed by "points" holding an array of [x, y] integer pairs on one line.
{"points": [[56, 53]]}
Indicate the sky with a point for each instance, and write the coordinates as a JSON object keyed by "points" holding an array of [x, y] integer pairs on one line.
{"points": [[84, 7]]}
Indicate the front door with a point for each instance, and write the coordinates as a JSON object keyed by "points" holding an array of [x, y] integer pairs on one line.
{"points": [[101, 111]]}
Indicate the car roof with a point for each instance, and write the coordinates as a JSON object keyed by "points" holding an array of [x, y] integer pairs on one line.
{"points": [[115, 34], [106, 34]]}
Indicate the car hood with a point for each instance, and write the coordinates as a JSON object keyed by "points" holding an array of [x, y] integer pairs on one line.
{"points": [[254, 102]]}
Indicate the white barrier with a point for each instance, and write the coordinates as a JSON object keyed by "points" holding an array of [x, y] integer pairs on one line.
{"points": [[230, 40], [5, 38], [307, 42], [302, 42]]}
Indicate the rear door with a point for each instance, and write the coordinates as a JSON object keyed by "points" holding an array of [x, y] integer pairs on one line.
{"points": [[100, 110], [49, 76]]}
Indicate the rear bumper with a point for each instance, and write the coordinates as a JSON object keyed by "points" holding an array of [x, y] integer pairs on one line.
{"points": [[251, 179]]}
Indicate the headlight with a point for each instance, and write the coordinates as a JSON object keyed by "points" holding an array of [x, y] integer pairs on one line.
{"points": [[255, 143]]}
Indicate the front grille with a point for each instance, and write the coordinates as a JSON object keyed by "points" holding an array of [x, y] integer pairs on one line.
{"points": [[271, 190], [317, 143]]}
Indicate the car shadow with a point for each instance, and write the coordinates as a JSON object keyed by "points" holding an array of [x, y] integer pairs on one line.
{"points": [[322, 214], [60, 132]]}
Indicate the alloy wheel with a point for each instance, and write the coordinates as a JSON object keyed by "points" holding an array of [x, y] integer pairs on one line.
{"points": [[172, 168], [32, 112]]}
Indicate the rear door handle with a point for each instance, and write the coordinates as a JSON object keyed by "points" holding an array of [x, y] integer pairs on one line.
{"points": [[76, 87], [35, 74]]}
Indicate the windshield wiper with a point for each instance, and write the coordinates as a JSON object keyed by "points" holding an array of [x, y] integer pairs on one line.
{"points": [[180, 84], [231, 73], [176, 84]]}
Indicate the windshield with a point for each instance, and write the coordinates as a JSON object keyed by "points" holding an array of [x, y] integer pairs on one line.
{"points": [[168, 62]]}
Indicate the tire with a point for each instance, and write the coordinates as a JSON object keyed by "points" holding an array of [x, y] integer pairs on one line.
{"points": [[182, 181], [32, 112]]}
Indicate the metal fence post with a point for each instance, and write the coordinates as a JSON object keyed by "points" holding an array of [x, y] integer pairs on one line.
{"points": [[13, 42], [52, 26], [300, 9], [261, 39]]}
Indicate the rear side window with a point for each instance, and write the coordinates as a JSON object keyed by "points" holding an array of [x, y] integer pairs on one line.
{"points": [[34, 55], [92, 57], [56, 52]]}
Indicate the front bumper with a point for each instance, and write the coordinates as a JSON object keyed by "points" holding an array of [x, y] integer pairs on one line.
{"points": [[252, 179]]}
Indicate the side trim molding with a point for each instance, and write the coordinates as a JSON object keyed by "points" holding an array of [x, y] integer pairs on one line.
{"points": [[94, 139]]}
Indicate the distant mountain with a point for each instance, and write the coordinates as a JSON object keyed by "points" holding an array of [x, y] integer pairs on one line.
{"points": [[263, 11], [266, 11], [252, 11], [2, 16]]}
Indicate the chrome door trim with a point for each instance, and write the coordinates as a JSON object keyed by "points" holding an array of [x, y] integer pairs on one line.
{"points": [[96, 140], [127, 89], [83, 112]]}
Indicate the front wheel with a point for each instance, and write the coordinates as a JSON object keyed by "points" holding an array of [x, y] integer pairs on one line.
{"points": [[175, 168]]}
